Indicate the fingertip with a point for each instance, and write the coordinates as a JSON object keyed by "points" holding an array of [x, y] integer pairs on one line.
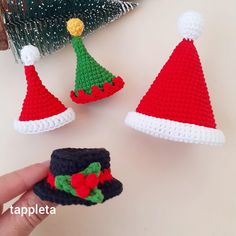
{"points": [[20, 181], [45, 163], [15, 224]]}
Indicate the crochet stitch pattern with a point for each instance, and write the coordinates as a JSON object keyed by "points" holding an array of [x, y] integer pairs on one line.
{"points": [[83, 184], [93, 82], [176, 96], [41, 110], [79, 176], [177, 107]]}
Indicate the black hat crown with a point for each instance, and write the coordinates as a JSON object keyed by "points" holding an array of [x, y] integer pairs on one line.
{"points": [[69, 161]]}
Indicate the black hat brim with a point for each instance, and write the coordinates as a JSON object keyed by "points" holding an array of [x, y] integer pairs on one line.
{"points": [[43, 190]]}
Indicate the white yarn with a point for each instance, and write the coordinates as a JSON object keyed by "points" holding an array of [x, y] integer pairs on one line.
{"points": [[174, 131], [190, 25], [29, 55], [44, 125]]}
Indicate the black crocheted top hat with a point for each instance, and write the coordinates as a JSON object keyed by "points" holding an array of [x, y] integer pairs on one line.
{"points": [[79, 176]]}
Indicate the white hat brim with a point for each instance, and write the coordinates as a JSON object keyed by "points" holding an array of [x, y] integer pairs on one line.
{"points": [[173, 130], [44, 125]]}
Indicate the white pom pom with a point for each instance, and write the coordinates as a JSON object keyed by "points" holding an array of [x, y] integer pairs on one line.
{"points": [[190, 25], [29, 55]]}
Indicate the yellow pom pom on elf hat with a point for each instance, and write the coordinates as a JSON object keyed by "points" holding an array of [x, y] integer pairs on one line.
{"points": [[75, 26]]}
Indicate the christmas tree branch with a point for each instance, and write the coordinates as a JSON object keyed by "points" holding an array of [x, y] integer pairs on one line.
{"points": [[42, 22]]}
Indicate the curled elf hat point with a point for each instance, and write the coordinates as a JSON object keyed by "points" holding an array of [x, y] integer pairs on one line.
{"points": [[177, 107], [79, 176], [41, 110], [93, 82]]}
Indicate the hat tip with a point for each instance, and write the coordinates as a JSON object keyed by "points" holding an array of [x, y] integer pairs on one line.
{"points": [[29, 55], [75, 27], [190, 25]]}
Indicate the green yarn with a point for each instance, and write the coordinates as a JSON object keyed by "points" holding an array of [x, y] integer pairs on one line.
{"points": [[93, 168], [88, 73], [63, 183], [96, 196]]}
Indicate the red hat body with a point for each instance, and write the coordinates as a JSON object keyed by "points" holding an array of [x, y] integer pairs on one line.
{"points": [[177, 107], [41, 110], [39, 103], [180, 92]]}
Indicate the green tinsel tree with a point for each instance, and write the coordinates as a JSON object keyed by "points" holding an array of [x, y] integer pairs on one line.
{"points": [[42, 22]]}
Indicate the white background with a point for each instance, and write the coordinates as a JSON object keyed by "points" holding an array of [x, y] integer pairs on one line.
{"points": [[170, 189]]}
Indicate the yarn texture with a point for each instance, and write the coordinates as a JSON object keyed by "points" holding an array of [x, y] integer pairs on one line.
{"points": [[180, 92], [83, 184], [46, 124], [41, 110], [93, 82], [190, 25], [30, 55], [75, 27], [174, 131], [79, 176], [177, 107]]}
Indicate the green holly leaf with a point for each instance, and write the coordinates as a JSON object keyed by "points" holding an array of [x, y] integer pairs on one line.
{"points": [[63, 183], [93, 168], [96, 196]]}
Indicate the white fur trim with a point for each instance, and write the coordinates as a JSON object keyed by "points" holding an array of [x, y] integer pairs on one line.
{"points": [[29, 55], [174, 131], [44, 125], [190, 25]]}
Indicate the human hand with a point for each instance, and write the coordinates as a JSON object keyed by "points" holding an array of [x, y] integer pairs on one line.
{"points": [[11, 186]]}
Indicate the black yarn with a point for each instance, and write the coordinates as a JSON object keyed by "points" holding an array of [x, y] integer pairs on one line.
{"points": [[70, 161]]}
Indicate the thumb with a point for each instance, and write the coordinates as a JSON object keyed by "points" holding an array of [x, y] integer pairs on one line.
{"points": [[18, 225]]}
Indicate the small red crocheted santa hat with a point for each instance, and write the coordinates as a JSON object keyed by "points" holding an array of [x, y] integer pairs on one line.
{"points": [[41, 110], [177, 107]]}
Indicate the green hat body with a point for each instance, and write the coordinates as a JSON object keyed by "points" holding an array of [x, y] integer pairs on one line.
{"points": [[93, 82]]}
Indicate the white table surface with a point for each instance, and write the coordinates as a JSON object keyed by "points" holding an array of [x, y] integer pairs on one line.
{"points": [[170, 189]]}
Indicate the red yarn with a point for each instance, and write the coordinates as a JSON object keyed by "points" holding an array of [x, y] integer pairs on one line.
{"points": [[83, 191], [83, 184], [39, 103], [180, 92], [77, 180], [105, 176], [51, 180], [97, 93], [92, 181]]}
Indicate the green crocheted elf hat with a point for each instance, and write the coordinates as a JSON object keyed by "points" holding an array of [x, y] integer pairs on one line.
{"points": [[93, 82]]}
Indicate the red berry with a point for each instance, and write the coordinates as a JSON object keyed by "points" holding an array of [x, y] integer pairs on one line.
{"points": [[92, 181], [83, 191], [77, 180]]}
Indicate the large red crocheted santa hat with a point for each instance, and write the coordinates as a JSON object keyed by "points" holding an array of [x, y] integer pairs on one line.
{"points": [[177, 107], [41, 110]]}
